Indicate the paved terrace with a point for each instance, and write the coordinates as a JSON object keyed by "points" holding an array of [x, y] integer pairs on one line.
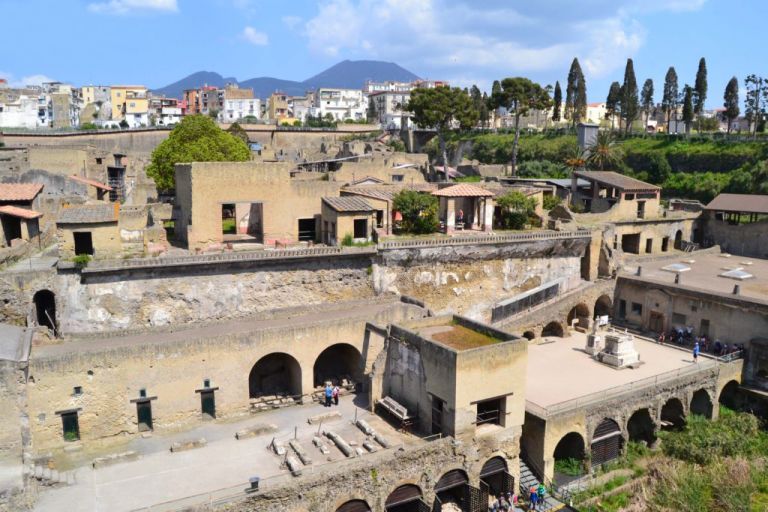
{"points": [[165, 481], [560, 371]]}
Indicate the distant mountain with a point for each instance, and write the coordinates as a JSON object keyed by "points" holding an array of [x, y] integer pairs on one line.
{"points": [[349, 74]]}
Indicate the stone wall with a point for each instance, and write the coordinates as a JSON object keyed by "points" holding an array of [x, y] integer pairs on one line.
{"points": [[743, 239]]}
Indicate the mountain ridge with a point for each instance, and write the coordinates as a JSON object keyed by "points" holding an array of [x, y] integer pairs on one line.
{"points": [[347, 74]]}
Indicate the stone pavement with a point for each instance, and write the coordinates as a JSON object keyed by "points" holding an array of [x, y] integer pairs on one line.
{"points": [[224, 465]]}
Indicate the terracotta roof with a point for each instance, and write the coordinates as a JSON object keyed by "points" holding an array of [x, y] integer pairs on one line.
{"points": [[387, 192], [462, 190], [744, 203], [22, 213], [362, 181], [616, 180], [89, 214], [19, 191], [91, 182], [348, 204]]}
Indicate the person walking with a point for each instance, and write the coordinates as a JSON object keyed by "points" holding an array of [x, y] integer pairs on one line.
{"points": [[541, 491], [696, 352], [328, 394], [534, 497], [335, 395]]}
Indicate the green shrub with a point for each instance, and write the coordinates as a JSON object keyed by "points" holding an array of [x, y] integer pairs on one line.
{"points": [[81, 260], [569, 466], [347, 241], [542, 169], [396, 145], [551, 201], [70, 436], [419, 211]]}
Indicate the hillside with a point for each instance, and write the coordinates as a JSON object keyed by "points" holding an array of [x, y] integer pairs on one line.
{"points": [[346, 74]]}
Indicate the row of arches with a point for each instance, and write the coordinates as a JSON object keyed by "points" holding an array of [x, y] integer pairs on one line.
{"points": [[453, 486], [281, 373], [578, 316], [607, 440]]}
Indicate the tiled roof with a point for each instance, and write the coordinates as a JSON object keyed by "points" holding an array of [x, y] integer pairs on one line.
{"points": [[91, 182], [19, 191], [22, 213], [462, 190], [387, 192], [89, 214], [614, 179], [348, 204], [745, 203]]}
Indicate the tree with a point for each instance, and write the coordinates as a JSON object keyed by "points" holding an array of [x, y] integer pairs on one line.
{"points": [[195, 139], [646, 100], [700, 89], [437, 108], [612, 102], [419, 211], [479, 105], [731, 101], [629, 103], [575, 94], [671, 93], [520, 95], [238, 131], [603, 152], [557, 103], [516, 208], [688, 109], [754, 108]]}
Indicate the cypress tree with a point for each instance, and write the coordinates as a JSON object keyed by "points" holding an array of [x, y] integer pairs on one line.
{"points": [[646, 100], [671, 93], [612, 102], [688, 109], [700, 88], [629, 103], [731, 101], [575, 94], [558, 100]]}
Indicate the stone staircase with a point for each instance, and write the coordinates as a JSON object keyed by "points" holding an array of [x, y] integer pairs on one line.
{"points": [[49, 477], [527, 480]]}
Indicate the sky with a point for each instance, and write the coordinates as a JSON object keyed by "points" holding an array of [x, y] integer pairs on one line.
{"points": [[156, 42]]}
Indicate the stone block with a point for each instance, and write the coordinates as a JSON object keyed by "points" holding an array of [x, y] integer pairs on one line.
{"points": [[114, 459], [191, 444], [324, 417], [256, 430]]}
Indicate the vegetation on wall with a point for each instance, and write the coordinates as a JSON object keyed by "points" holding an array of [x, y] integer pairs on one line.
{"points": [[419, 211]]}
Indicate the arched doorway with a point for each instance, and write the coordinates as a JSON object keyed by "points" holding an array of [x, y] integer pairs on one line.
{"points": [[552, 329], [494, 474], [275, 374], [641, 428], [606, 442], [338, 362], [730, 396], [603, 306], [45, 309], [354, 506], [452, 487], [529, 335], [579, 313], [569, 457], [406, 498], [701, 404], [679, 239], [673, 415]]}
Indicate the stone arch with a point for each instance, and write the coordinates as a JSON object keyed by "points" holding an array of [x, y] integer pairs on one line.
{"points": [[45, 309], [529, 335], [579, 313], [337, 362], [275, 373], [679, 239], [701, 404], [640, 427], [354, 506], [552, 329], [570, 446], [451, 487], [607, 442], [495, 474], [404, 498], [673, 414], [730, 395], [603, 306]]}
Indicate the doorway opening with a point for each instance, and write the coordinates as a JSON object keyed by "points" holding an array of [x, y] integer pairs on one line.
{"points": [[83, 243], [45, 309], [361, 228], [307, 230], [144, 415]]}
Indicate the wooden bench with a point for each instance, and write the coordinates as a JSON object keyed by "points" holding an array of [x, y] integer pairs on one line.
{"points": [[397, 411]]}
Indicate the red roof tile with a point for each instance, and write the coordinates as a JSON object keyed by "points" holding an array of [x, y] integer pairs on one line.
{"points": [[19, 191], [91, 182], [23, 213], [462, 190]]}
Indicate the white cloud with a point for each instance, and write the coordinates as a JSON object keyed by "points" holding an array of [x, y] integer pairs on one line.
{"points": [[25, 80], [292, 21], [484, 40], [129, 6], [255, 37]]}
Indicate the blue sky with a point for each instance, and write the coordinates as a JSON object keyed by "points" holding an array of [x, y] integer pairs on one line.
{"points": [[155, 42]]}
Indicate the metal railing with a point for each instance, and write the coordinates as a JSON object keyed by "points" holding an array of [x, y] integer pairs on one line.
{"points": [[483, 239]]}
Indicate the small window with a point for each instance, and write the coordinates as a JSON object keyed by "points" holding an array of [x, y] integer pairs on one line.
{"points": [[78, 390], [70, 426], [397, 178], [207, 383], [637, 309], [99, 161], [143, 393]]}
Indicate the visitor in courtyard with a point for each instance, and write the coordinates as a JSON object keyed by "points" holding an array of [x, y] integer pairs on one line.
{"points": [[534, 497], [335, 394], [661, 338], [696, 352], [541, 491], [328, 394]]}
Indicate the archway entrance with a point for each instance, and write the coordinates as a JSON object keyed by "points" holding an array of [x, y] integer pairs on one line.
{"points": [[701, 404], [354, 506], [338, 363], [45, 309], [606, 442], [569, 457], [640, 427], [529, 335], [452, 487], [603, 306], [730, 396], [275, 374], [579, 316], [495, 476], [673, 415], [679, 239], [406, 498], [552, 329]]}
